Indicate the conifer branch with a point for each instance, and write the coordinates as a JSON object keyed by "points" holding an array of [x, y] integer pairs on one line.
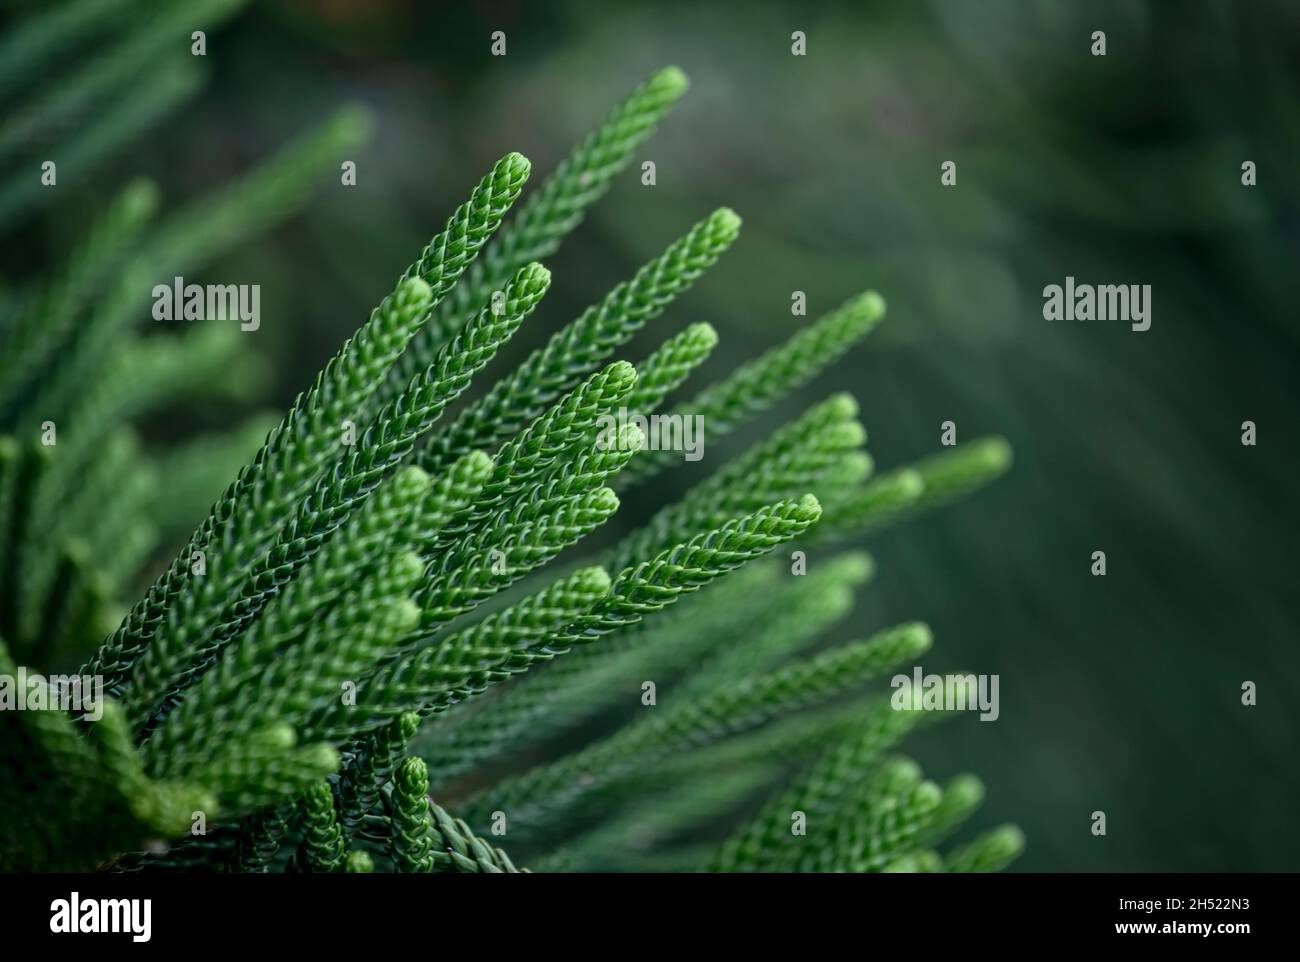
{"points": [[259, 839], [370, 767], [45, 322], [144, 103], [849, 472], [366, 623], [208, 363], [838, 769], [791, 619], [962, 795], [520, 462], [190, 237], [47, 33], [755, 386], [467, 662], [502, 551], [931, 482], [273, 677], [274, 189], [802, 735], [575, 351], [914, 863], [964, 469], [787, 464], [65, 102], [570, 688], [387, 522], [704, 720], [587, 679], [991, 852], [322, 848], [651, 824], [346, 486], [451, 494], [412, 839], [875, 504], [458, 849], [686, 568], [344, 559], [265, 769], [549, 213], [872, 830], [672, 363]]}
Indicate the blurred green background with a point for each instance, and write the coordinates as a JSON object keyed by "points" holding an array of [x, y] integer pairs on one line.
{"points": [[1119, 694]]}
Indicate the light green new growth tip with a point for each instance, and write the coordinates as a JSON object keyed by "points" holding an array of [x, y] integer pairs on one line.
{"points": [[553, 210]]}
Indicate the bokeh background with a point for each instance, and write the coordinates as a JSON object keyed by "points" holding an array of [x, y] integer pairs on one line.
{"points": [[1119, 694]]}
